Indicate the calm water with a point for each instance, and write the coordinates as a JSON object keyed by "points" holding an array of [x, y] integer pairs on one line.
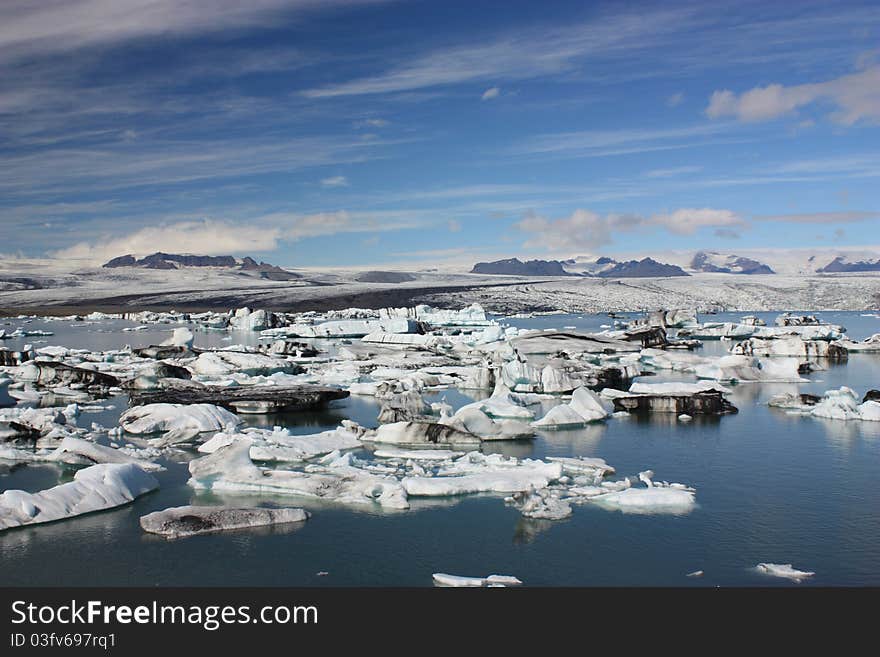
{"points": [[770, 487]]}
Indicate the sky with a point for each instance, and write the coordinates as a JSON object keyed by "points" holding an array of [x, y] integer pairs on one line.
{"points": [[322, 133]]}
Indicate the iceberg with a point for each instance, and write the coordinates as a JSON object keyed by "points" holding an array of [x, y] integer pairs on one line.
{"points": [[444, 580], [180, 422], [230, 468], [95, 488], [224, 363], [422, 434], [474, 421], [784, 570], [77, 451], [183, 521], [478, 473]]}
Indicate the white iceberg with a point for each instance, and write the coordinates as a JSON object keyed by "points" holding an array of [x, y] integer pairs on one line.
{"points": [[94, 488], [784, 570], [230, 468], [178, 421], [444, 580]]}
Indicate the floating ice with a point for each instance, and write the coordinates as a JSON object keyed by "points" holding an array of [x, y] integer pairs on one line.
{"points": [[422, 434], [181, 337], [94, 488], [656, 498], [444, 580], [473, 420], [230, 468], [280, 445], [784, 570], [78, 451], [192, 520], [479, 473], [179, 422]]}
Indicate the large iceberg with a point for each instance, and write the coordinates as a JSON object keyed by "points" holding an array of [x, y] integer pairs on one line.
{"points": [[95, 488], [179, 422]]}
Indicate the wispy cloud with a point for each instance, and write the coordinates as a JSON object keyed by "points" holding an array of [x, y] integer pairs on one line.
{"points": [[599, 143], [515, 55], [335, 181], [29, 29], [490, 93]]}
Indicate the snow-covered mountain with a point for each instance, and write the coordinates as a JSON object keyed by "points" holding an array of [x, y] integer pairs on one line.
{"points": [[721, 263], [515, 267], [843, 264], [161, 260]]}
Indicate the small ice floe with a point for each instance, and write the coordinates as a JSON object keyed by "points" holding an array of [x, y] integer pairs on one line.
{"points": [[182, 521], [684, 417], [457, 581], [181, 337], [94, 488], [784, 570]]}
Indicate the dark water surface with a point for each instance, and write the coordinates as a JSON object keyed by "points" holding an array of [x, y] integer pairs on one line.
{"points": [[771, 487]]}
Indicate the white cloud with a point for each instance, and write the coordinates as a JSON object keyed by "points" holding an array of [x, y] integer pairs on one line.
{"points": [[490, 93], [855, 96], [454, 226], [584, 230], [335, 181], [196, 237]]}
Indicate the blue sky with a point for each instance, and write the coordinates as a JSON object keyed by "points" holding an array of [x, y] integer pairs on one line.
{"points": [[334, 132]]}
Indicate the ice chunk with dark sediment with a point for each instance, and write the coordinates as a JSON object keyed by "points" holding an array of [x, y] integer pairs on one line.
{"points": [[95, 488], [422, 434], [192, 520], [473, 420]]}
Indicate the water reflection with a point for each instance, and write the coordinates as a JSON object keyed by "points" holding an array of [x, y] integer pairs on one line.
{"points": [[527, 529]]}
